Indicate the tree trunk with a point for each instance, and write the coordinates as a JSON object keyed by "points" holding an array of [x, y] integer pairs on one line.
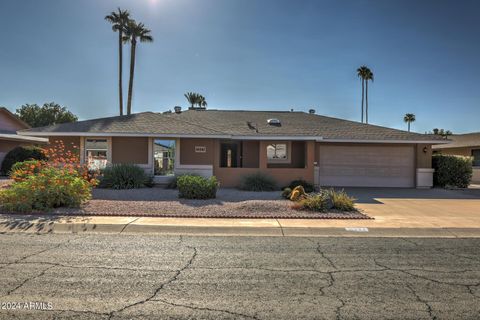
{"points": [[120, 71], [408, 126], [366, 101], [363, 94], [132, 71]]}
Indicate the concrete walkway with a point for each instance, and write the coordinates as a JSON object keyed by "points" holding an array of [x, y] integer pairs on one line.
{"points": [[396, 213]]}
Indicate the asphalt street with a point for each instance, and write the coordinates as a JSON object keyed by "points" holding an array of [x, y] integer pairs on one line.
{"points": [[99, 276]]}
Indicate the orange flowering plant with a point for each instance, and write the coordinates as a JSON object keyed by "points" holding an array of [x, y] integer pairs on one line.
{"points": [[43, 185]]}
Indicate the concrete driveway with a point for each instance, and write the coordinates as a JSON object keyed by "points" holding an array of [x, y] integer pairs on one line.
{"points": [[409, 208]]}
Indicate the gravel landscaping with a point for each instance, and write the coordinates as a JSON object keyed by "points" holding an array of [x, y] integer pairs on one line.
{"points": [[230, 203]]}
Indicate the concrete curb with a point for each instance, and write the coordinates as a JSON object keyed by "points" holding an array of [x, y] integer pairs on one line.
{"points": [[278, 231]]}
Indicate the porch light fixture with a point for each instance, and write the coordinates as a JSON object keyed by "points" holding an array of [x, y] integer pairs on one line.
{"points": [[425, 149]]}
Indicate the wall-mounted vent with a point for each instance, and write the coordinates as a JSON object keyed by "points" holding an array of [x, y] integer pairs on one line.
{"points": [[274, 122]]}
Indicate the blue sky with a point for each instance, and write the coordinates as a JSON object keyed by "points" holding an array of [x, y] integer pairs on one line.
{"points": [[252, 54]]}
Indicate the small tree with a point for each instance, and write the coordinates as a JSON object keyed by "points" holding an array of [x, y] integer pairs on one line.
{"points": [[46, 115]]}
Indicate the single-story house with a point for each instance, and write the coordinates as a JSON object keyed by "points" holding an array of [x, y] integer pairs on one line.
{"points": [[464, 145], [9, 139], [231, 144]]}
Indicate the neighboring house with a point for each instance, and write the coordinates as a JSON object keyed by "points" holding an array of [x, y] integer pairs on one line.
{"points": [[9, 125], [231, 144], [464, 145]]}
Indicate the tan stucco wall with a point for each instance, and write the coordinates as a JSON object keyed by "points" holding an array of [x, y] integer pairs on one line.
{"points": [[424, 159], [68, 142], [465, 151], [190, 157], [250, 154], [231, 177], [130, 150]]}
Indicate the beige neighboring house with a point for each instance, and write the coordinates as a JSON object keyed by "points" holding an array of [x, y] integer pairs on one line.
{"points": [[9, 139], [464, 145], [231, 144]]}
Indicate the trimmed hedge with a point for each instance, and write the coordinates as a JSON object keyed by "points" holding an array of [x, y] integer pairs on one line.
{"points": [[20, 154], [125, 176], [453, 171], [258, 182], [197, 187]]}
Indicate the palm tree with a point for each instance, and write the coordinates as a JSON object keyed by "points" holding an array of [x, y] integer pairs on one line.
{"points": [[119, 21], [133, 32], [409, 118], [196, 99], [362, 74], [368, 77], [192, 98], [202, 102]]}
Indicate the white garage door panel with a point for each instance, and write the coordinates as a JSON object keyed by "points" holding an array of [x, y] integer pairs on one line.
{"points": [[367, 166]]}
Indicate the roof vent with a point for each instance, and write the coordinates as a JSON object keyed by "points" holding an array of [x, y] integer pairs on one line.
{"points": [[177, 109], [311, 111], [274, 122]]}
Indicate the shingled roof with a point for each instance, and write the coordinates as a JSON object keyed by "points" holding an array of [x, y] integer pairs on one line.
{"points": [[462, 140], [235, 124]]}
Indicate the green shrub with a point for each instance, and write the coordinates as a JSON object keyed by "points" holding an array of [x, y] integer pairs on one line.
{"points": [[172, 183], [341, 200], [286, 193], [452, 170], [307, 186], [258, 182], [50, 188], [125, 176], [197, 187], [20, 154], [319, 202]]}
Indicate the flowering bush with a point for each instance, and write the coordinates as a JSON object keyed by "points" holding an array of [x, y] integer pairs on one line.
{"points": [[22, 170], [42, 185], [50, 188]]}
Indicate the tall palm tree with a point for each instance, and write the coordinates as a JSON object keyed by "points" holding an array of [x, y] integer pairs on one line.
{"points": [[409, 118], [362, 74], [368, 77], [134, 32], [119, 21]]}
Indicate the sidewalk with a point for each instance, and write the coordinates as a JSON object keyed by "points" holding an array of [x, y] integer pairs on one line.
{"points": [[229, 227]]}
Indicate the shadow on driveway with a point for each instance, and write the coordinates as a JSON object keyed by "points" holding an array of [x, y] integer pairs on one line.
{"points": [[371, 195]]}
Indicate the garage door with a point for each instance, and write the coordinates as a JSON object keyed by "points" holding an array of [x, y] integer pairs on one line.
{"points": [[367, 166]]}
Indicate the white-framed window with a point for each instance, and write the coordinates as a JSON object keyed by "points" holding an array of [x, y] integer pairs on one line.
{"points": [[278, 152], [96, 151]]}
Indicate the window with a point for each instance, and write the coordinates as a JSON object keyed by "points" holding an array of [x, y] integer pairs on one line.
{"points": [[476, 157], [96, 153], [278, 153], [164, 157]]}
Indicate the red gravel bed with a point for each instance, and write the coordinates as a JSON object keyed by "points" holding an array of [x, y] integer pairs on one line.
{"points": [[230, 203]]}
